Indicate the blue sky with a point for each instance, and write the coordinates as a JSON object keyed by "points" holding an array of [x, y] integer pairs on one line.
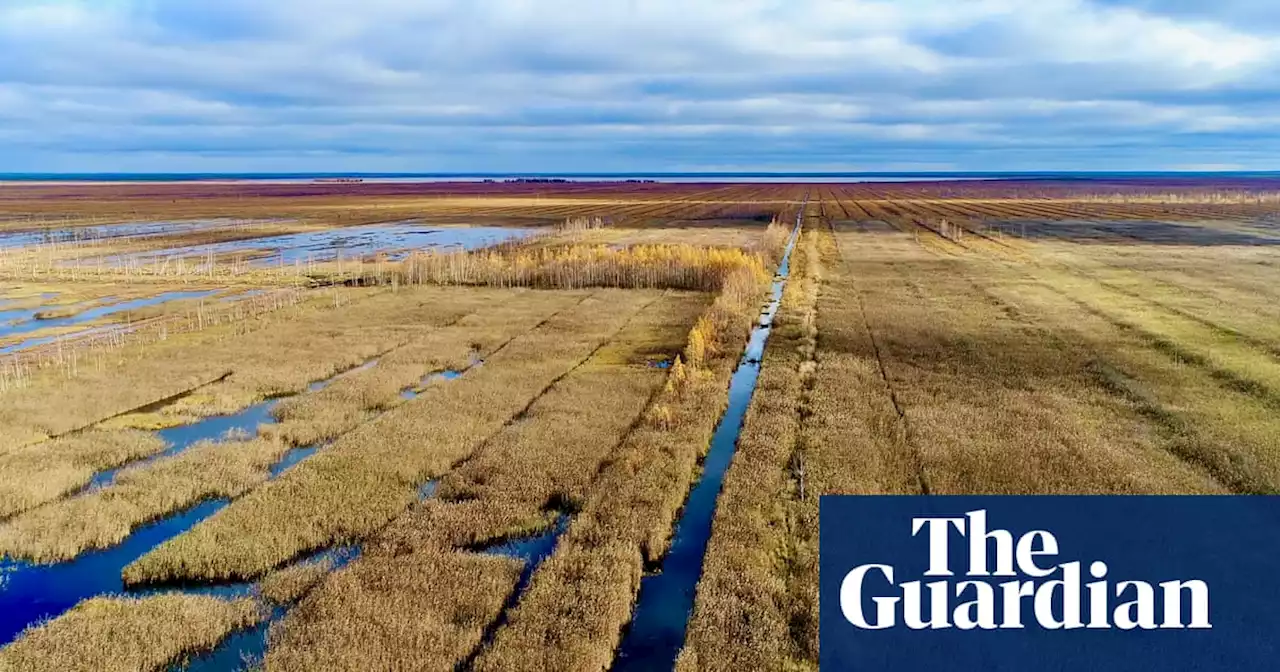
{"points": [[638, 85]]}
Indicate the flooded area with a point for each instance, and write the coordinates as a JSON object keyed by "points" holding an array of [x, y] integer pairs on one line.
{"points": [[30, 593], [183, 437], [33, 322], [245, 649], [394, 240], [19, 322], [531, 550], [430, 379], [73, 234], [666, 598]]}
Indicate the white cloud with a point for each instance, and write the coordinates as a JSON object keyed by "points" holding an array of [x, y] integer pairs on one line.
{"points": [[902, 75]]}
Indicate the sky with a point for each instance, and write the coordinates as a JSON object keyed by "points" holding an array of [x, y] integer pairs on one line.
{"points": [[638, 85]]}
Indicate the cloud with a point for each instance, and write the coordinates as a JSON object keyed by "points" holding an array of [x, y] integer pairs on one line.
{"points": [[562, 85]]}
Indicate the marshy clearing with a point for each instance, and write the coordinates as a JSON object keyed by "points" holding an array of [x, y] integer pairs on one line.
{"points": [[580, 426]]}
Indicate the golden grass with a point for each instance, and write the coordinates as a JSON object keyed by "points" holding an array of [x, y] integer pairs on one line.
{"points": [[420, 611], [995, 402], [266, 355], [1241, 302], [1002, 385], [579, 600], [545, 463], [742, 236], [331, 412], [575, 266], [355, 486], [1228, 433], [104, 517], [42, 473], [853, 437], [1221, 350], [127, 635], [288, 585]]}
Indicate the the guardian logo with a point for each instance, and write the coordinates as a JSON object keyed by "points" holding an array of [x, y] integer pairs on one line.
{"points": [[1012, 583]]}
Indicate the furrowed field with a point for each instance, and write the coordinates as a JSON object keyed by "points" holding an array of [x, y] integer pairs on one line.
{"points": [[511, 426]]}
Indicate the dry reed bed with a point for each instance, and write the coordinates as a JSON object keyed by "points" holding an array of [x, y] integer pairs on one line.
{"points": [[352, 488], [544, 461], [746, 613], [552, 263], [580, 599], [994, 402], [277, 354], [350, 401], [854, 439], [96, 349], [1227, 353], [1227, 433], [392, 613], [742, 235], [41, 473], [574, 266], [104, 517], [290, 584], [127, 635], [52, 469], [969, 370], [547, 461], [1229, 290]]}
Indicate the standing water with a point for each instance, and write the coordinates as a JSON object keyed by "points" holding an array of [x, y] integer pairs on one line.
{"points": [[30, 323], [665, 603], [30, 593]]}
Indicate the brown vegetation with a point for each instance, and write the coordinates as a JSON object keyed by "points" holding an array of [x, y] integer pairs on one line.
{"points": [[364, 479], [34, 475], [268, 355], [126, 635], [950, 338], [104, 517], [573, 613], [577, 266], [420, 611], [288, 585], [751, 600]]}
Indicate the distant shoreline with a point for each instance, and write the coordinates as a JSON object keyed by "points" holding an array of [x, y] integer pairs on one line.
{"points": [[11, 179]]}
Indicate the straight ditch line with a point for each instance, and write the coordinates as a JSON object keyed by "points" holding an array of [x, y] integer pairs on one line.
{"points": [[648, 641]]}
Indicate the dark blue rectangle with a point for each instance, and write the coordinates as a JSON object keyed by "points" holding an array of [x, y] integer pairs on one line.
{"points": [[1231, 545]]}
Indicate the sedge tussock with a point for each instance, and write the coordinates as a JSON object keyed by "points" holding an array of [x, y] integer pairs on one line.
{"points": [[367, 477], [126, 635]]}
